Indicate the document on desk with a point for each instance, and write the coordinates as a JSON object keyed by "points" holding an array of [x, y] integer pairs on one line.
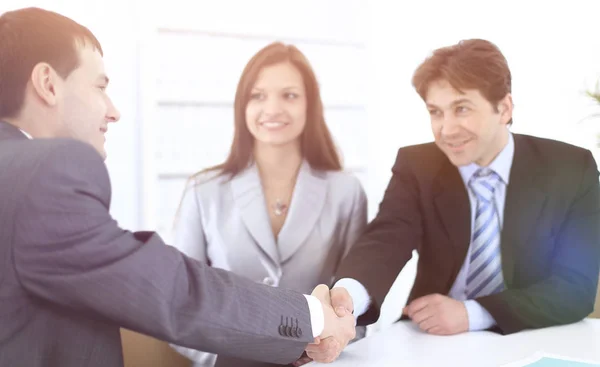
{"points": [[549, 360]]}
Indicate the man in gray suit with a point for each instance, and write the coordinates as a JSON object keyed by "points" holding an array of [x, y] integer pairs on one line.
{"points": [[69, 276]]}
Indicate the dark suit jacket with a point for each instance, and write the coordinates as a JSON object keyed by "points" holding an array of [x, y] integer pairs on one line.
{"points": [[70, 277], [550, 241]]}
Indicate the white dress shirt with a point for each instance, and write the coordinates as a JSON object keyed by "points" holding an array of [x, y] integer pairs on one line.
{"points": [[317, 317], [479, 317]]}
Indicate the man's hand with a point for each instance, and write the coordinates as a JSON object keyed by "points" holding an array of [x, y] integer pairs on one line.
{"points": [[439, 315], [341, 298], [339, 329]]}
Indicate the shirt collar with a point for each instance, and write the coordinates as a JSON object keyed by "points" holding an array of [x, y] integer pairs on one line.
{"points": [[26, 134]]}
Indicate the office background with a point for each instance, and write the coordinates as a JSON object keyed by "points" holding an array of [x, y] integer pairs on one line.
{"points": [[174, 66]]}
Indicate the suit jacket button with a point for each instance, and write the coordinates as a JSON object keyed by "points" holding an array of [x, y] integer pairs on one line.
{"points": [[269, 281]]}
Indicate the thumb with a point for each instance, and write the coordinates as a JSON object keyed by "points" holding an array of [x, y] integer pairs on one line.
{"points": [[341, 298], [341, 311], [322, 293]]}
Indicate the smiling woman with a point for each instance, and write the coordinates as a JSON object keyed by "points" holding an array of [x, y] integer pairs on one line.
{"points": [[279, 210]]}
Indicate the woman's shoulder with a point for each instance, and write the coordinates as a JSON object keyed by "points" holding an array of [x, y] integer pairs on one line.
{"points": [[343, 179], [344, 186], [207, 180]]}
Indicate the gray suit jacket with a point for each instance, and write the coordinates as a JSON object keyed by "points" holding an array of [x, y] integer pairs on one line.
{"points": [[70, 277], [226, 223]]}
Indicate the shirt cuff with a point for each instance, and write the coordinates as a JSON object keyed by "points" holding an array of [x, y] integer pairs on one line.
{"points": [[479, 317], [358, 292], [317, 317]]}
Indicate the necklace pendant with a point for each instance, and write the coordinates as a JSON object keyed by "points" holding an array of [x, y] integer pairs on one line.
{"points": [[279, 208]]}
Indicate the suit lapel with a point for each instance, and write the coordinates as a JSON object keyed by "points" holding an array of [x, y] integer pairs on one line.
{"points": [[305, 209], [525, 200], [452, 204], [250, 201]]}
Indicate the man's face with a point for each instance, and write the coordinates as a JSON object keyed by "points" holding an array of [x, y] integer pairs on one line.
{"points": [[85, 108], [466, 126]]}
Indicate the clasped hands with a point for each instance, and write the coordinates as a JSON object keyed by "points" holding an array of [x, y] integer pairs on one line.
{"points": [[435, 314], [339, 328]]}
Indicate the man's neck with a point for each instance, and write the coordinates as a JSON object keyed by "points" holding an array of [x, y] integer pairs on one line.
{"points": [[498, 147], [29, 128]]}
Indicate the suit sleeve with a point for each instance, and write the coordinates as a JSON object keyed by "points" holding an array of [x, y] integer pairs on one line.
{"points": [[388, 241], [70, 253], [568, 294]]}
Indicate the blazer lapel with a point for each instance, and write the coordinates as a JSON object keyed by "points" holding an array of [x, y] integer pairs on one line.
{"points": [[249, 199], [306, 205], [452, 203], [525, 200]]}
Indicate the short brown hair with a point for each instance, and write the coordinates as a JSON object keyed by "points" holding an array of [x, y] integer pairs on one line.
{"points": [[30, 36], [470, 64], [316, 143]]}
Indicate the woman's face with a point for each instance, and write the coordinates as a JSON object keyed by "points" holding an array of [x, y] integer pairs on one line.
{"points": [[276, 109]]}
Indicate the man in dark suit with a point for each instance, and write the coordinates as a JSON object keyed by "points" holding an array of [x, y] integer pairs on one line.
{"points": [[69, 276], [506, 225]]}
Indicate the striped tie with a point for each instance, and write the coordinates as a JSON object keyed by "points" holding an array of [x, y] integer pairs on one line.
{"points": [[485, 265]]}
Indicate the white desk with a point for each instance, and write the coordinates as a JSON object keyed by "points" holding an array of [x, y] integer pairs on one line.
{"points": [[403, 344]]}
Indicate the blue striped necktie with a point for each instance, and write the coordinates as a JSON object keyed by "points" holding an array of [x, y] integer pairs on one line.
{"points": [[485, 264]]}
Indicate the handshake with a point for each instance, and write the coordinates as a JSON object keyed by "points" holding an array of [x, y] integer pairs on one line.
{"points": [[339, 328]]}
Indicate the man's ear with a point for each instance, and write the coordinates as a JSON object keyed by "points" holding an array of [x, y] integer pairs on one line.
{"points": [[44, 80], [505, 108]]}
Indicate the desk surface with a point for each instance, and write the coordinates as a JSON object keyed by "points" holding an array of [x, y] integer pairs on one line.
{"points": [[403, 344]]}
